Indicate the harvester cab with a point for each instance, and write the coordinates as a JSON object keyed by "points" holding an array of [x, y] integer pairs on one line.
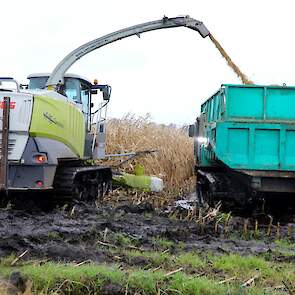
{"points": [[83, 94]]}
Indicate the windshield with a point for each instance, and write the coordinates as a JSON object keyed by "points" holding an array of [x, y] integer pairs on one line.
{"points": [[72, 87], [37, 83]]}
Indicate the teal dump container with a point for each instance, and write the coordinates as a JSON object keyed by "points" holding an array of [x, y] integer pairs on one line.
{"points": [[248, 127]]}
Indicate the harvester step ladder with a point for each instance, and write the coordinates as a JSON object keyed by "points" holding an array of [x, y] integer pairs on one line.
{"points": [[98, 144]]}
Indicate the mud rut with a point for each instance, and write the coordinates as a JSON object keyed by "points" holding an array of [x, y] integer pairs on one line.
{"points": [[74, 232]]}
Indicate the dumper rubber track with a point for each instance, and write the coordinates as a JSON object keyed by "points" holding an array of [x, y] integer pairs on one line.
{"points": [[220, 185], [82, 183], [216, 186]]}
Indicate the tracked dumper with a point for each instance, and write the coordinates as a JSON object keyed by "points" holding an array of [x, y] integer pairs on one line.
{"points": [[50, 132], [245, 146]]}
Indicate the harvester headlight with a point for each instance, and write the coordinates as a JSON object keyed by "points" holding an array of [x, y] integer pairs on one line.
{"points": [[40, 159]]}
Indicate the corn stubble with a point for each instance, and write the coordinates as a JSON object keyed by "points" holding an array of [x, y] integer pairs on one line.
{"points": [[173, 161]]}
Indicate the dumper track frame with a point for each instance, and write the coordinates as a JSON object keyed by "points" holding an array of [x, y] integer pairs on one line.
{"points": [[232, 189], [214, 186]]}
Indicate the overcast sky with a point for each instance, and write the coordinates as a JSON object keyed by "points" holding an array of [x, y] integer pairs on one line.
{"points": [[167, 73]]}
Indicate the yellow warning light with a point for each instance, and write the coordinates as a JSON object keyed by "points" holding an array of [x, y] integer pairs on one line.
{"points": [[95, 82]]}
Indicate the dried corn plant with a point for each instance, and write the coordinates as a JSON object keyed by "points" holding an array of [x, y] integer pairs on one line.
{"points": [[173, 161]]}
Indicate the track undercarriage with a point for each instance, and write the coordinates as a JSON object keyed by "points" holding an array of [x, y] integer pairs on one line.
{"points": [[234, 192], [216, 186], [74, 181], [82, 182]]}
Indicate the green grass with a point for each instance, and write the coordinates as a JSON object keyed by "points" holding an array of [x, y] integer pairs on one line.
{"points": [[182, 284], [249, 266], [68, 279], [120, 239], [154, 258], [57, 278], [53, 235], [6, 261], [166, 260], [284, 243], [145, 281], [270, 273], [239, 263], [243, 267], [49, 276], [190, 259], [163, 243]]}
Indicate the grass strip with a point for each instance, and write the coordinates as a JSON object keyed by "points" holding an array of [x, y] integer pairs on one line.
{"points": [[58, 278]]}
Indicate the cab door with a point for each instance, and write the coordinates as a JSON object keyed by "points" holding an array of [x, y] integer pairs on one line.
{"points": [[85, 100]]}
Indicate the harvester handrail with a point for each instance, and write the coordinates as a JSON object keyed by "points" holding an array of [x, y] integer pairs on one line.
{"points": [[57, 76]]}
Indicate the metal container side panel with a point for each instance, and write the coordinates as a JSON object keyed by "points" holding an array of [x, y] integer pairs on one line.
{"points": [[244, 102], [214, 107], [255, 127], [269, 103], [280, 104], [59, 120], [256, 146], [212, 111]]}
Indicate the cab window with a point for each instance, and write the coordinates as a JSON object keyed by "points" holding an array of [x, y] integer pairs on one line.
{"points": [[85, 101], [72, 89], [37, 82]]}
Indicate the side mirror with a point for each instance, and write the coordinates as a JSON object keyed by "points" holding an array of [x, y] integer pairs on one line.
{"points": [[106, 93], [192, 130], [105, 89]]}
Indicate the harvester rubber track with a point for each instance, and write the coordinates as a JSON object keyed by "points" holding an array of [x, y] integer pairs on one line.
{"points": [[83, 183]]}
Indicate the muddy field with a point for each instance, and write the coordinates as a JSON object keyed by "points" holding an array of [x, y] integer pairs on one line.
{"points": [[144, 244], [79, 232]]}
